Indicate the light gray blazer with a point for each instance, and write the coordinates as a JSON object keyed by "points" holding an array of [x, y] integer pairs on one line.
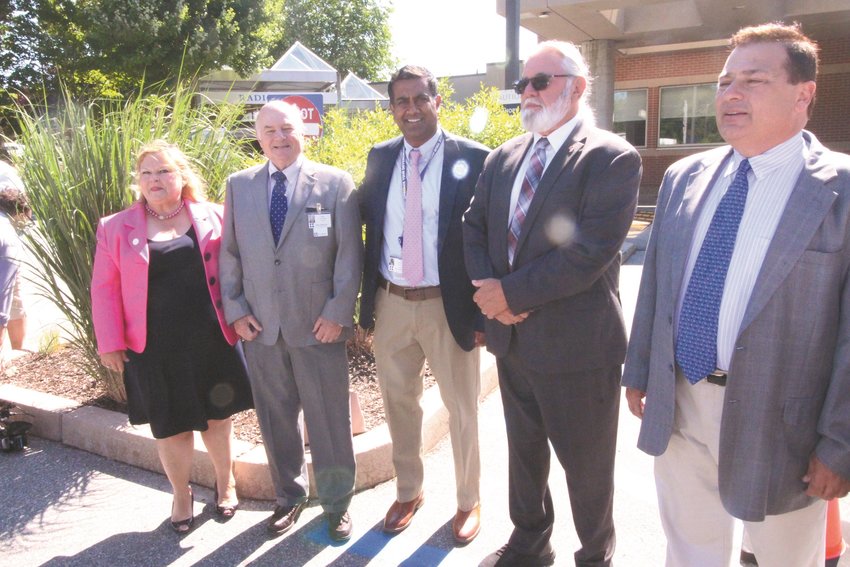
{"points": [[788, 393], [288, 286]]}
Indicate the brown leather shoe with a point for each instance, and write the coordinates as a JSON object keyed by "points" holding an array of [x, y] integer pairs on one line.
{"points": [[400, 513], [339, 525], [283, 518], [466, 525]]}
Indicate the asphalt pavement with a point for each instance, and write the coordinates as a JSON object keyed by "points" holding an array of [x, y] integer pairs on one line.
{"points": [[61, 506]]}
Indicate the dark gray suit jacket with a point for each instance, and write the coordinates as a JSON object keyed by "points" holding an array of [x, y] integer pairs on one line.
{"points": [[788, 392], [567, 263], [462, 162]]}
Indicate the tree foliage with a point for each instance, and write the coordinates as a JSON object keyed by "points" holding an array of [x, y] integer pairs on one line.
{"points": [[351, 35], [110, 47], [348, 136]]}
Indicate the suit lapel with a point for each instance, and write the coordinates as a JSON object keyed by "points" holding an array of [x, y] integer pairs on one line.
{"points": [[137, 233], [258, 194], [500, 198], [807, 206], [201, 222], [560, 166], [448, 189], [381, 188], [299, 197], [693, 199]]}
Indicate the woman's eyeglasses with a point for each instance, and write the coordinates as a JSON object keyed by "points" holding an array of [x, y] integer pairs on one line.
{"points": [[540, 82]]}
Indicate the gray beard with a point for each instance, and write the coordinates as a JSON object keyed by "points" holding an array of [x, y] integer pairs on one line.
{"points": [[544, 120]]}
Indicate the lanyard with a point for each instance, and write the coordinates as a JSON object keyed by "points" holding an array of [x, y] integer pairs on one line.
{"points": [[405, 157]]}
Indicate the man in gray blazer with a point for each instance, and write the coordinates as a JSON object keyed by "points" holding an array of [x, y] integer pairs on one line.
{"points": [[739, 360], [542, 239], [290, 271]]}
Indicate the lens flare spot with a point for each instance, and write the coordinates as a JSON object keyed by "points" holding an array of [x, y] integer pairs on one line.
{"points": [[478, 120], [460, 169], [560, 229]]}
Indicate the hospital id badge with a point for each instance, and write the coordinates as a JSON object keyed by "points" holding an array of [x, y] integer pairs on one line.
{"points": [[394, 265], [319, 222]]}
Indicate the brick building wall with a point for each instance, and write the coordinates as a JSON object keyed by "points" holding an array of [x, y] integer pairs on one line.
{"points": [[830, 120]]}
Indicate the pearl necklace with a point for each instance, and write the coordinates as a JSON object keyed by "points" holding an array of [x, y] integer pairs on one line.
{"points": [[170, 215]]}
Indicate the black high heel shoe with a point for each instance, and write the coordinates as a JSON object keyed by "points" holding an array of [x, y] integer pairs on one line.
{"points": [[184, 526], [226, 511]]}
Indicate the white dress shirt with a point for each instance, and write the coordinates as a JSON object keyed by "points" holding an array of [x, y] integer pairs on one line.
{"points": [[431, 163], [774, 175]]}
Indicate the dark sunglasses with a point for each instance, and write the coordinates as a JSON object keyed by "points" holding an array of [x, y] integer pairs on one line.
{"points": [[540, 82]]}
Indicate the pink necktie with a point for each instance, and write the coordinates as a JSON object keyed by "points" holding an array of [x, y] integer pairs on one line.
{"points": [[411, 249]]}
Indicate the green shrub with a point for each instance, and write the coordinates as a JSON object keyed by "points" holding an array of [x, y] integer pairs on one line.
{"points": [[348, 136], [77, 165]]}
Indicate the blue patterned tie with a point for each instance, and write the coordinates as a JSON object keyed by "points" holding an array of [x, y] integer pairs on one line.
{"points": [[696, 345], [279, 205]]}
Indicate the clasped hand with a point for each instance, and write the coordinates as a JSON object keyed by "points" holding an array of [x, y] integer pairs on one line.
{"points": [[493, 304]]}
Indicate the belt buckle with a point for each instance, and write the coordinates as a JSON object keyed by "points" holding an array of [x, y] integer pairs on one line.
{"points": [[413, 293], [718, 378]]}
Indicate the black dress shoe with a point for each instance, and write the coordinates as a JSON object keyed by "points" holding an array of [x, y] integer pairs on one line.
{"points": [[284, 517], [226, 511], [507, 557], [183, 527], [339, 525]]}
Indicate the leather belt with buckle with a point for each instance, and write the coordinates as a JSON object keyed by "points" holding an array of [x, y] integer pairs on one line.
{"points": [[716, 377], [411, 293]]}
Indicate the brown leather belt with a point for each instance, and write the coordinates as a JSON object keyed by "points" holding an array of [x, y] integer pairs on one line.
{"points": [[411, 293], [716, 377]]}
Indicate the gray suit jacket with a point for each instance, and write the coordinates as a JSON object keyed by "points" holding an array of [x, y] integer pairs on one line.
{"points": [[288, 286], [567, 263], [788, 392]]}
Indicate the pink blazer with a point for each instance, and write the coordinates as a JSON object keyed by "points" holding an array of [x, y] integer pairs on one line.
{"points": [[119, 289]]}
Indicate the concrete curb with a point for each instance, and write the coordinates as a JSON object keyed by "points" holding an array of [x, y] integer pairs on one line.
{"points": [[107, 433]]}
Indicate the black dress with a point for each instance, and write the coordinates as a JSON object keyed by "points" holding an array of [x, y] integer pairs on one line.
{"points": [[188, 373]]}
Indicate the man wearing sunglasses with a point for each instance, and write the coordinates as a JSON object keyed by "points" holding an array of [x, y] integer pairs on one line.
{"points": [[542, 243]]}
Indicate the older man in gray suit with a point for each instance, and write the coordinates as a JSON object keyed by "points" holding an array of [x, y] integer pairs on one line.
{"points": [[542, 239], [739, 360], [290, 271]]}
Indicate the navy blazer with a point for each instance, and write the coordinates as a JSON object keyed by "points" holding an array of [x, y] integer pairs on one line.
{"points": [[456, 187]]}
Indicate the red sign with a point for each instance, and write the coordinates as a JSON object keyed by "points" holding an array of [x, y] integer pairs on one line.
{"points": [[310, 114]]}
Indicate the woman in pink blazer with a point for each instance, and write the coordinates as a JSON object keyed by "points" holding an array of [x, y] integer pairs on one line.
{"points": [[156, 307]]}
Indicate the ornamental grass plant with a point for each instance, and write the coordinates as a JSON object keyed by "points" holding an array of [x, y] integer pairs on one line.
{"points": [[77, 165]]}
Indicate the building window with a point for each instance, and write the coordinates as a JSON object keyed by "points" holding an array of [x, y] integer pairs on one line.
{"points": [[687, 116], [630, 116]]}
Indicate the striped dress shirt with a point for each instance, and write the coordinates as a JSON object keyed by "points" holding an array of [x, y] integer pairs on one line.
{"points": [[774, 175]]}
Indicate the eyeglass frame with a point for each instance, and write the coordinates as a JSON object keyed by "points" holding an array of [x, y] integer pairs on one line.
{"points": [[541, 79]]}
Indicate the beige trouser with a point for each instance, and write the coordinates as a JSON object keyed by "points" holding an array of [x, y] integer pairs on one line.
{"points": [[406, 333], [700, 532]]}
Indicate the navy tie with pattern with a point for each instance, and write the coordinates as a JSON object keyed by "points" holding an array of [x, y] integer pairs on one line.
{"points": [[279, 205], [696, 344]]}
